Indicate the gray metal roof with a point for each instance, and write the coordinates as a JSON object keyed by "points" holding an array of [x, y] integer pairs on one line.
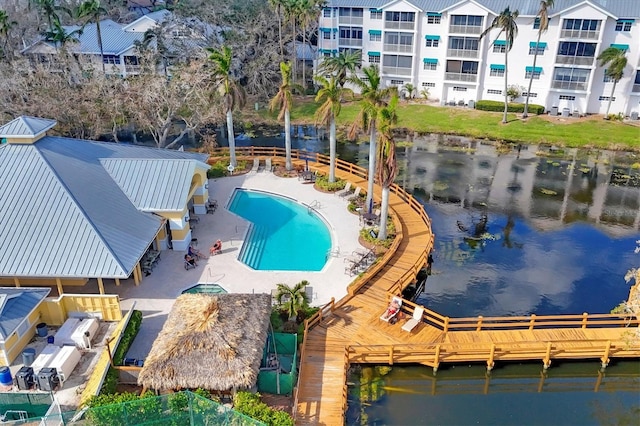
{"points": [[15, 305], [25, 127], [66, 216], [153, 184], [114, 39], [618, 8]]}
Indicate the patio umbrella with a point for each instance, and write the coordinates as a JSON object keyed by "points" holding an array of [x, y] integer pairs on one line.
{"points": [[371, 205]]}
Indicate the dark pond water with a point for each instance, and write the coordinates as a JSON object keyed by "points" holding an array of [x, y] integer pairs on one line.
{"points": [[530, 230]]}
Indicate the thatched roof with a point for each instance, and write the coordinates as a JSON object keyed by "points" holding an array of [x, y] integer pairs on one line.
{"points": [[209, 342]]}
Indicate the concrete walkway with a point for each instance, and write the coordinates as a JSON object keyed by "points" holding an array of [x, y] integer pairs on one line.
{"points": [[157, 292]]}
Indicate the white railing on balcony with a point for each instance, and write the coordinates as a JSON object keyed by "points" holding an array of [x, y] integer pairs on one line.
{"points": [[404, 48], [465, 29], [132, 69], [350, 42], [396, 70], [462, 53], [395, 25], [457, 76], [350, 20], [575, 60], [582, 34], [636, 88], [569, 85]]}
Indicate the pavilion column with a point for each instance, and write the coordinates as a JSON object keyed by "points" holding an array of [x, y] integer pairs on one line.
{"points": [[100, 285], [136, 277], [59, 285], [16, 281], [117, 282]]}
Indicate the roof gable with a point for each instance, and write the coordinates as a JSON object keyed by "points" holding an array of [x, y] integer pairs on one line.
{"points": [[153, 184], [25, 127], [17, 304]]}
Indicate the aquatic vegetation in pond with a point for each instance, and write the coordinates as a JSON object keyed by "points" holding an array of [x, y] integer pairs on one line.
{"points": [[548, 191], [440, 186]]}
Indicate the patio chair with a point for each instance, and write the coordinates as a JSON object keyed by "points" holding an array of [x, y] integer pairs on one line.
{"points": [[267, 165], [345, 191], [355, 195], [415, 320], [392, 311], [212, 205], [188, 265]]}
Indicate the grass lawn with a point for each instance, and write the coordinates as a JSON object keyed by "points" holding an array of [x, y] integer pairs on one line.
{"points": [[588, 132]]}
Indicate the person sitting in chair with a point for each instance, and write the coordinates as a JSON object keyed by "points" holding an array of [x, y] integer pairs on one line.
{"points": [[216, 247], [190, 260], [391, 310], [195, 253]]}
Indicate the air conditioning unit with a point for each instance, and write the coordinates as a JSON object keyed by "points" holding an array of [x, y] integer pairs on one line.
{"points": [[25, 378], [48, 379]]}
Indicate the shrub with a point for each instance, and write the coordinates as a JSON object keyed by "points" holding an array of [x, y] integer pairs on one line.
{"points": [[497, 106], [219, 168], [322, 182], [249, 404], [365, 233], [128, 335]]}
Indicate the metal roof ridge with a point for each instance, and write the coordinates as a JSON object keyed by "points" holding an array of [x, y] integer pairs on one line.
{"points": [[82, 210]]}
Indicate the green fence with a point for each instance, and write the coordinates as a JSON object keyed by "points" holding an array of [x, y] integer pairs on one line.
{"points": [[14, 406], [278, 372], [177, 409]]}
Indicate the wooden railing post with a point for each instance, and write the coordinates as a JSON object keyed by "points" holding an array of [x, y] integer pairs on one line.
{"points": [[436, 359], [333, 304], [532, 322], [546, 363], [391, 355], [585, 318], [605, 357], [446, 324], [479, 326], [492, 354]]}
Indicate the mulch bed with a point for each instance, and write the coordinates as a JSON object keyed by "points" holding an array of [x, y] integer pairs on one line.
{"points": [[278, 402]]}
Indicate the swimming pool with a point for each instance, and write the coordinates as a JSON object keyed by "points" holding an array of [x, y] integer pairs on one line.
{"points": [[284, 236]]}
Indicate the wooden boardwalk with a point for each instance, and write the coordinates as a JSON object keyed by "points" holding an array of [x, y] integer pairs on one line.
{"points": [[350, 331]]}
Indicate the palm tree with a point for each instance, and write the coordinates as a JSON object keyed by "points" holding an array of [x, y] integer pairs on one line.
{"points": [[329, 96], [283, 101], [232, 93], [59, 36], [374, 97], [91, 10], [616, 60], [292, 11], [155, 35], [341, 65], [309, 10], [292, 298], [387, 167], [278, 5], [410, 89], [5, 26], [49, 8], [506, 23], [543, 19]]}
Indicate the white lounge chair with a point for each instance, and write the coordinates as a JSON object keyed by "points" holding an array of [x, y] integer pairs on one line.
{"points": [[355, 195], [267, 165], [256, 165], [388, 315], [345, 191], [415, 320]]}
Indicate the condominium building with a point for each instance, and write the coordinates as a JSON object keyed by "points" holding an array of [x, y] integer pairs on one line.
{"points": [[436, 45]]}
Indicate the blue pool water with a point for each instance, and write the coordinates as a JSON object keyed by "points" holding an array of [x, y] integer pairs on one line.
{"points": [[205, 289], [284, 236]]}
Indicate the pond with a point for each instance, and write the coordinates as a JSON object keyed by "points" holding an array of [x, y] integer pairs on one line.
{"points": [[522, 230]]}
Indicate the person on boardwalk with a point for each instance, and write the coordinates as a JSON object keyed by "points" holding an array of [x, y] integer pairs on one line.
{"points": [[216, 248], [190, 260]]}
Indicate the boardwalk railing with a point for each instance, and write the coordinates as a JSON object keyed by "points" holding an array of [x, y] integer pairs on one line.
{"points": [[433, 354], [530, 322]]}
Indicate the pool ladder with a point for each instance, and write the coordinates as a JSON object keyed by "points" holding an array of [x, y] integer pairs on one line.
{"points": [[22, 415], [315, 204]]}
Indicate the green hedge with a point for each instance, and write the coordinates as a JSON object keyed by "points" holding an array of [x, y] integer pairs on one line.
{"points": [[498, 106], [249, 404], [128, 335], [219, 168], [322, 181]]}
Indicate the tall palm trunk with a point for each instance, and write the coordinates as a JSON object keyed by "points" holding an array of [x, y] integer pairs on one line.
{"points": [[332, 150], [613, 89], [372, 162], [295, 51], [304, 60], [287, 138], [279, 13], [232, 139], [384, 213], [506, 73], [100, 43], [525, 114]]}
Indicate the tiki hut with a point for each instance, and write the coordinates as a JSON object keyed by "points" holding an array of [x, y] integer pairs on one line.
{"points": [[210, 342]]}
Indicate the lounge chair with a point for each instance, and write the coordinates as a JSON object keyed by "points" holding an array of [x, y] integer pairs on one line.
{"points": [[345, 191], [415, 320], [256, 165], [393, 309], [267, 165], [355, 195]]}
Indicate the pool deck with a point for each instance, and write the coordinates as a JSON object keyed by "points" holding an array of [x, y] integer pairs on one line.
{"points": [[156, 293]]}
